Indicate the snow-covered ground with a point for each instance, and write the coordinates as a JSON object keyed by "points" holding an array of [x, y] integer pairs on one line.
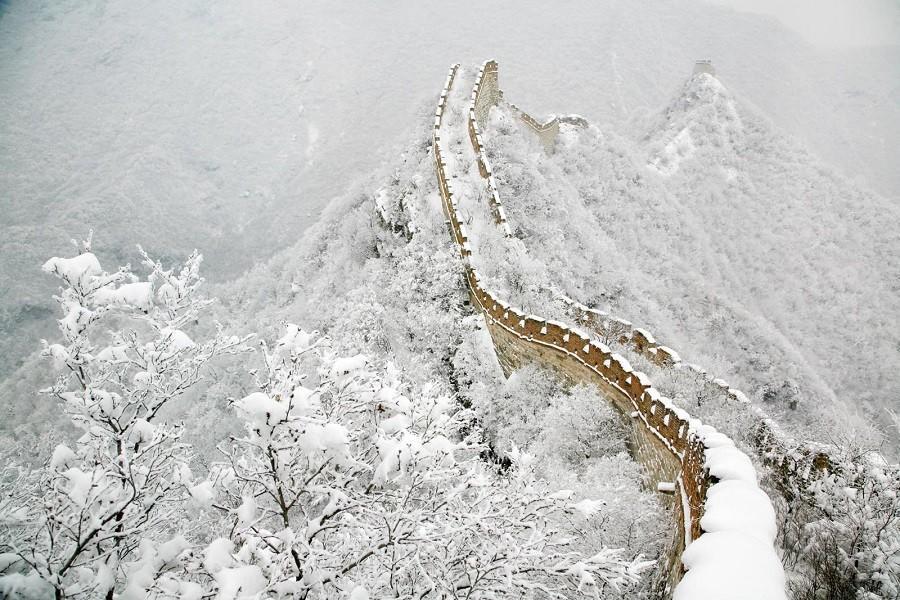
{"points": [[229, 125]]}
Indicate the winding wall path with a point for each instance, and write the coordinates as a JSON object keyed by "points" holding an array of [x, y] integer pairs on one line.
{"points": [[708, 472]]}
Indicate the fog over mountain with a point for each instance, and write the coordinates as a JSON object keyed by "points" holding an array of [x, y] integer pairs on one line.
{"points": [[228, 126]]}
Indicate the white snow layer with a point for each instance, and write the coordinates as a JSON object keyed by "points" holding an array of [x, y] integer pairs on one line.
{"points": [[739, 506], [680, 148], [138, 294], [76, 270], [730, 565], [735, 558]]}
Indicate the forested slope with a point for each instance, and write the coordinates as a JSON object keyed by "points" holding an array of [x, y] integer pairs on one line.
{"points": [[727, 240]]}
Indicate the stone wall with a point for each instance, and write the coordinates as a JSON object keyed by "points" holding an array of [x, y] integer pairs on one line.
{"points": [[704, 66], [791, 462], [546, 132], [486, 94], [664, 438]]}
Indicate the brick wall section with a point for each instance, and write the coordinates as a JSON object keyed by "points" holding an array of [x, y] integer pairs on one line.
{"points": [[487, 89], [790, 460], [520, 339], [546, 132], [486, 94], [658, 434]]}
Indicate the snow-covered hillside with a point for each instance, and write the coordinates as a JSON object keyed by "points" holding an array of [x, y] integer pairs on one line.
{"points": [[727, 240], [512, 286], [378, 280]]}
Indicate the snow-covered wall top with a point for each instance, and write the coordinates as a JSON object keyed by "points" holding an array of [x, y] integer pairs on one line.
{"points": [[727, 522], [485, 93]]}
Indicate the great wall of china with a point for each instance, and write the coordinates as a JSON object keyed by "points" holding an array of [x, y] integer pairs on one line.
{"points": [[702, 469]]}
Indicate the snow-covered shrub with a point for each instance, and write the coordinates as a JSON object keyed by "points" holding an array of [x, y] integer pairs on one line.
{"points": [[631, 516], [347, 485], [124, 355], [784, 394], [510, 412], [581, 426], [533, 410], [578, 442], [15, 484]]}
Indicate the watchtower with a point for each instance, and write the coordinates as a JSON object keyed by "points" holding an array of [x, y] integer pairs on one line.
{"points": [[704, 66]]}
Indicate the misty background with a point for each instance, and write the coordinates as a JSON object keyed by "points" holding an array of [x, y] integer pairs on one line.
{"points": [[228, 126]]}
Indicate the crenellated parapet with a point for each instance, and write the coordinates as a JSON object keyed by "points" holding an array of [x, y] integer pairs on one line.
{"points": [[791, 463]]}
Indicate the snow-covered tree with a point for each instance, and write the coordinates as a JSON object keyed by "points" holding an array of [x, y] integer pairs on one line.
{"points": [[349, 487], [125, 355], [582, 426], [578, 442], [841, 529]]}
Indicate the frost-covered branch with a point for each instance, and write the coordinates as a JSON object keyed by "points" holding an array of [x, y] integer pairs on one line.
{"points": [[350, 485], [124, 355]]}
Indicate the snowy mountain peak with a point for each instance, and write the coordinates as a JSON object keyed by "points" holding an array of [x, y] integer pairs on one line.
{"points": [[704, 89], [703, 117]]}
